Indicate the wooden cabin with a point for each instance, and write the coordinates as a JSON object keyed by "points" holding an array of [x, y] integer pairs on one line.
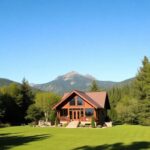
{"points": [[82, 106]]}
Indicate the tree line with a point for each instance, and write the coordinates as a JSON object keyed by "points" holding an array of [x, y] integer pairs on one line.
{"points": [[130, 103], [19, 104]]}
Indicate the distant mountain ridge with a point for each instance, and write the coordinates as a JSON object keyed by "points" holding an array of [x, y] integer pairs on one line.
{"points": [[5, 82], [74, 80], [70, 81]]}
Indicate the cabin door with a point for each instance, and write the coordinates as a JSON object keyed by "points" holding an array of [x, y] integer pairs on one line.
{"points": [[75, 114]]}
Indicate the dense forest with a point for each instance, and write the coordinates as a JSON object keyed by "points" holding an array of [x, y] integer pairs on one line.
{"points": [[130, 104], [19, 104]]}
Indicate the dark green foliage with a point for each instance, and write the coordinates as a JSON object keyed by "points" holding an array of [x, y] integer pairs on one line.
{"points": [[132, 102], [114, 96], [16, 99], [52, 117], [14, 102], [144, 112], [112, 114], [26, 97], [12, 112], [127, 110], [56, 121], [142, 81], [94, 87], [34, 113], [93, 122], [2, 107]]}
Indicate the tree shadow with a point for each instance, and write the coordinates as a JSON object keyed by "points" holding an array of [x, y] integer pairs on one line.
{"points": [[118, 146], [8, 140]]}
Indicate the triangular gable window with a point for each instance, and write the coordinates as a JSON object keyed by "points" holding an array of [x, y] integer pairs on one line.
{"points": [[72, 102], [79, 101]]}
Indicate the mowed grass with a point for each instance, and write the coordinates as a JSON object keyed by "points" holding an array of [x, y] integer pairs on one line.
{"points": [[123, 137]]}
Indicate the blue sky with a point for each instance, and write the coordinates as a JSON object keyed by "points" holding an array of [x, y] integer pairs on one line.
{"points": [[41, 39]]}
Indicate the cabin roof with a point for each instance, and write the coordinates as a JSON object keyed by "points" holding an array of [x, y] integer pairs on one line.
{"points": [[96, 99]]}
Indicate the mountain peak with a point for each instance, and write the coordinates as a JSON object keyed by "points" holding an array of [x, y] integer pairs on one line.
{"points": [[90, 77], [74, 80], [70, 75]]}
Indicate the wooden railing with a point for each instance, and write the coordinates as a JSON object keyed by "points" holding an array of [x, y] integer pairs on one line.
{"points": [[65, 119], [62, 118]]}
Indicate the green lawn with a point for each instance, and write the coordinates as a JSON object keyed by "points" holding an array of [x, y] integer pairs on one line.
{"points": [[116, 138]]}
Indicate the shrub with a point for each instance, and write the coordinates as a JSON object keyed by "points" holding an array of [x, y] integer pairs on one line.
{"points": [[53, 117], [56, 121], [2, 125], [34, 113], [65, 124], [93, 122]]}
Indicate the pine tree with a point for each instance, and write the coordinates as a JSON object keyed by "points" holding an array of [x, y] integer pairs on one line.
{"points": [[94, 87], [142, 81], [26, 97], [2, 107], [115, 95]]}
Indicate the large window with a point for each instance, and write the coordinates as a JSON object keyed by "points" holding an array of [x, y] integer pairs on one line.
{"points": [[64, 112], [72, 102], [79, 101], [89, 112]]}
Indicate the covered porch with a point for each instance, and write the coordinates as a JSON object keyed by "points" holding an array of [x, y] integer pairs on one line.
{"points": [[80, 114]]}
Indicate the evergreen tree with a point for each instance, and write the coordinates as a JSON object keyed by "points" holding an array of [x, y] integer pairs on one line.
{"points": [[2, 107], [112, 114], [26, 98], [142, 81], [144, 112], [14, 102], [94, 87], [115, 95], [12, 113], [127, 110]]}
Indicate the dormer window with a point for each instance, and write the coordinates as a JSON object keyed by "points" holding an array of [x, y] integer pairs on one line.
{"points": [[79, 101], [72, 102]]}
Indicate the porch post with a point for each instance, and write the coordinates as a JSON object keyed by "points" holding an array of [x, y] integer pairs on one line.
{"points": [[84, 113], [58, 114], [68, 114], [95, 114]]}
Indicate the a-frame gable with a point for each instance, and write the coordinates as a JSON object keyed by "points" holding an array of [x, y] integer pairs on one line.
{"points": [[66, 97]]}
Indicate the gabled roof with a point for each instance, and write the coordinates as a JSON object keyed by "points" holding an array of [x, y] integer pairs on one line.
{"points": [[96, 99]]}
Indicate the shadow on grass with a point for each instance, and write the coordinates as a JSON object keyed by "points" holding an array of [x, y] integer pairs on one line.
{"points": [[118, 146], [8, 140]]}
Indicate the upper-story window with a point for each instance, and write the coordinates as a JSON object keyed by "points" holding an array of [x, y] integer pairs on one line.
{"points": [[72, 102], [79, 101]]}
